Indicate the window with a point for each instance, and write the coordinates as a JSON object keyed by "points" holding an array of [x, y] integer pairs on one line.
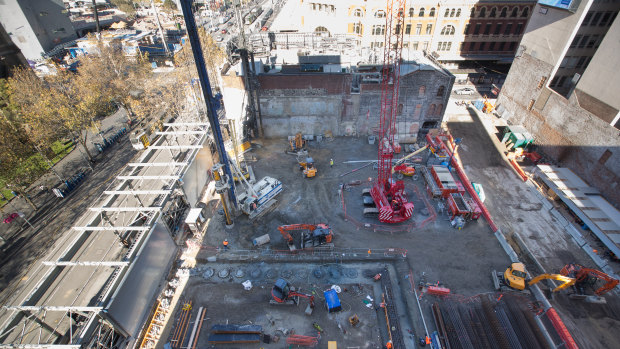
{"points": [[466, 31], [586, 19], [508, 29], [380, 14], [421, 91], [414, 45], [378, 29], [477, 29], [411, 12], [581, 62], [554, 81], [595, 19], [487, 29], [421, 13], [431, 110], [584, 41], [431, 13], [429, 29], [483, 45], [447, 13], [418, 29], [321, 30], [452, 12], [376, 44], [503, 13], [491, 46], [438, 109], [498, 29], [472, 13], [564, 62], [458, 13], [592, 41], [441, 91], [358, 13], [493, 12], [462, 47], [397, 29], [357, 28], [448, 30], [561, 81], [425, 45], [501, 46], [605, 19], [512, 46], [406, 45], [575, 41], [526, 12], [418, 111], [519, 28], [515, 12], [408, 29]]}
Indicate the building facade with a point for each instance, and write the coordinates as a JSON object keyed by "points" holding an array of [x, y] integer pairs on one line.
{"points": [[575, 125], [36, 26], [455, 30]]}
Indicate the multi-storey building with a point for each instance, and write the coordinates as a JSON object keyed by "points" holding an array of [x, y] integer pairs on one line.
{"points": [[456, 30], [571, 107], [36, 26]]}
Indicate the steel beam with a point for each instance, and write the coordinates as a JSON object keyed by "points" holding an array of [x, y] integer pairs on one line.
{"points": [[85, 263], [180, 132], [175, 147], [111, 228], [53, 308], [124, 209], [136, 192], [156, 164], [147, 177], [186, 124]]}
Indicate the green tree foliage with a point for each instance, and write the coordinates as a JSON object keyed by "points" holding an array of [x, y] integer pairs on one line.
{"points": [[126, 6], [169, 6]]}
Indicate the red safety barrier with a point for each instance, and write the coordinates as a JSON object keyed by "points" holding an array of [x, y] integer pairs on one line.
{"points": [[470, 189], [518, 169], [438, 291], [559, 326]]}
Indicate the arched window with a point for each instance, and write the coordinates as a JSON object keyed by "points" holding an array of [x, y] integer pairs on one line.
{"points": [[483, 12], [452, 12], [439, 109], [380, 14], [411, 12], [493, 12], [422, 91], [458, 13], [515, 12], [378, 29], [358, 13], [431, 13], [525, 12], [421, 13], [321, 31], [357, 28], [447, 13], [504, 11], [441, 91], [473, 12], [431, 110], [448, 30]]}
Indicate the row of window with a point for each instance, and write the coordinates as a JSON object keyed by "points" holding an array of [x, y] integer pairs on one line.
{"points": [[601, 19], [444, 46], [503, 13], [586, 41], [322, 7], [575, 62], [497, 30], [416, 45], [485, 46]]}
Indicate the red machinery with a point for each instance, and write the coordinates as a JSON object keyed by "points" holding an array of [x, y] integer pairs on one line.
{"points": [[313, 236], [388, 194], [586, 276], [283, 293]]}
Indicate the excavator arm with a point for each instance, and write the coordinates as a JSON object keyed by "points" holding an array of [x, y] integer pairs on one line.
{"points": [[581, 274], [408, 156], [566, 281], [284, 230]]}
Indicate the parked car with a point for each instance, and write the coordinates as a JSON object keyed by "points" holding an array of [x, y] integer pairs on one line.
{"points": [[224, 31], [219, 38], [465, 91]]}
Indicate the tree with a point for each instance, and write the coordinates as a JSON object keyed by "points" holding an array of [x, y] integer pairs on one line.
{"points": [[169, 6], [126, 6]]}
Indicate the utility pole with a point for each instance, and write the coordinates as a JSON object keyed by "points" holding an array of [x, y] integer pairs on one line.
{"points": [[161, 29], [96, 16]]}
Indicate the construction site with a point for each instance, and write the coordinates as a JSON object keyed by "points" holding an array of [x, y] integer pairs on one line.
{"points": [[400, 229]]}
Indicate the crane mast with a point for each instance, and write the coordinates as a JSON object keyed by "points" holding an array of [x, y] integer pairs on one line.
{"points": [[389, 195]]}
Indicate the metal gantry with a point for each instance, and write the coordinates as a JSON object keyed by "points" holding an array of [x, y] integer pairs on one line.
{"points": [[66, 306]]}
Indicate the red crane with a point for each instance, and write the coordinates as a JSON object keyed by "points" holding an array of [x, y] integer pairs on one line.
{"points": [[388, 194]]}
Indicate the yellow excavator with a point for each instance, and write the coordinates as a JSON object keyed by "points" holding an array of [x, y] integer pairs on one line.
{"points": [[515, 275]]}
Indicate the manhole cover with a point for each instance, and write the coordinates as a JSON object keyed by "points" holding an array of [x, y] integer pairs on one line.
{"points": [[286, 274], [255, 273], [239, 273], [223, 273], [334, 272], [318, 273], [301, 274], [270, 274], [208, 273]]}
